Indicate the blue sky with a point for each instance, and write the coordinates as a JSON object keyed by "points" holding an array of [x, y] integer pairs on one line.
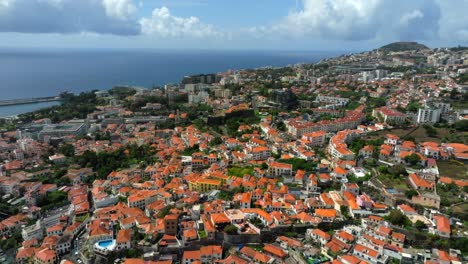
{"points": [[231, 24]]}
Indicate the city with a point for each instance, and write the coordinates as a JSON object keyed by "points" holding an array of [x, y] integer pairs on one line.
{"points": [[360, 158]]}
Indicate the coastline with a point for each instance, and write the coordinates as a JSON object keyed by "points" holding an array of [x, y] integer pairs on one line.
{"points": [[13, 111]]}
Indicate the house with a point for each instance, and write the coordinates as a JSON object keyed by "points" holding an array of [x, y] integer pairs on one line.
{"points": [[211, 254], [45, 256], [339, 173], [57, 158], [327, 215], [191, 256], [388, 115], [277, 169], [442, 225], [366, 151], [419, 183], [255, 256], [124, 238], [315, 139], [366, 254], [275, 251], [319, 236], [259, 153], [350, 187], [63, 245], [407, 210], [391, 139]]}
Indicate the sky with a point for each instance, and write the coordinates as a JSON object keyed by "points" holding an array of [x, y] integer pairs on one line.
{"points": [[231, 24]]}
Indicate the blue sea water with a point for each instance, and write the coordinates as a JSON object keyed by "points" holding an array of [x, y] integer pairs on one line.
{"points": [[37, 73]]}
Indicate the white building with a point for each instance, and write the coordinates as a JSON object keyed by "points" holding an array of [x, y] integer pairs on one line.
{"points": [[34, 231], [428, 115]]}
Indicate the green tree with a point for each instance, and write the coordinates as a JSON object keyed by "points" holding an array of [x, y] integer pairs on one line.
{"points": [[345, 211], [67, 150], [410, 193], [398, 171], [461, 125], [413, 159], [396, 217], [231, 229], [420, 225]]}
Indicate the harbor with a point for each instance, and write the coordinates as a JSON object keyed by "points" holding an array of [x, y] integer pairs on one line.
{"points": [[29, 100]]}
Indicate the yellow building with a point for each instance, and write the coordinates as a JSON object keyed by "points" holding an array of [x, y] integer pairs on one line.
{"points": [[204, 185]]}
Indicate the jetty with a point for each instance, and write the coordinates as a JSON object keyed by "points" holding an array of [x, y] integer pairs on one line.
{"points": [[29, 100]]}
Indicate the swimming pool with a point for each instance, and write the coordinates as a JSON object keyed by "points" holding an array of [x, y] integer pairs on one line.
{"points": [[105, 245]]}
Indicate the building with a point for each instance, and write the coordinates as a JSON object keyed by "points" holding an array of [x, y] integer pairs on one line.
{"points": [[124, 238], [388, 115], [33, 231], [428, 115], [45, 256], [203, 185], [332, 100], [277, 169], [222, 93], [260, 153], [315, 139], [170, 224]]}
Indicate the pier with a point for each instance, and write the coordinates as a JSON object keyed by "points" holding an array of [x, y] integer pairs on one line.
{"points": [[29, 100]]}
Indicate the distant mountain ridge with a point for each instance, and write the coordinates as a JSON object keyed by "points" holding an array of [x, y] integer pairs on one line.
{"points": [[403, 46]]}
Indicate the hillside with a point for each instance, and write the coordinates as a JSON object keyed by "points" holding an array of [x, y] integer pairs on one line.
{"points": [[402, 46]]}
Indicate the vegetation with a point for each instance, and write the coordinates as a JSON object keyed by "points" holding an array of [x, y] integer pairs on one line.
{"points": [[413, 159], [463, 78], [449, 194], [300, 164], [452, 168], [227, 195], [403, 46], [231, 230], [202, 233], [12, 242], [105, 162], [190, 150], [67, 150], [73, 106], [430, 130], [396, 217], [410, 193], [240, 171], [52, 200], [461, 125], [7, 208], [393, 177], [164, 211]]}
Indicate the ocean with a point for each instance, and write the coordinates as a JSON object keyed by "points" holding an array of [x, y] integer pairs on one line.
{"points": [[26, 73]]}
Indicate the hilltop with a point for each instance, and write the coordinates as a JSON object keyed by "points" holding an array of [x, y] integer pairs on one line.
{"points": [[402, 46]]}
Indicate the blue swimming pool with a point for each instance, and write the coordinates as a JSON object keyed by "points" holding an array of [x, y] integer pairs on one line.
{"points": [[105, 243]]}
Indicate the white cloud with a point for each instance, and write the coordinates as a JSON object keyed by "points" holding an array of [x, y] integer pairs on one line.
{"points": [[406, 18], [358, 20], [162, 23], [4, 4], [121, 9], [68, 16], [454, 21]]}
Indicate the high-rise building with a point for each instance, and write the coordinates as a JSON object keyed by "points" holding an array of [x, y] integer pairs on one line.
{"points": [[428, 115]]}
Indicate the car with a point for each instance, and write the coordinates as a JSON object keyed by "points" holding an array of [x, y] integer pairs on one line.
{"points": [[79, 261], [76, 252]]}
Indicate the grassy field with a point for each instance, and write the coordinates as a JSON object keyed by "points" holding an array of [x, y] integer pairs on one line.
{"points": [[461, 210], [420, 135], [240, 172], [453, 169], [395, 183]]}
